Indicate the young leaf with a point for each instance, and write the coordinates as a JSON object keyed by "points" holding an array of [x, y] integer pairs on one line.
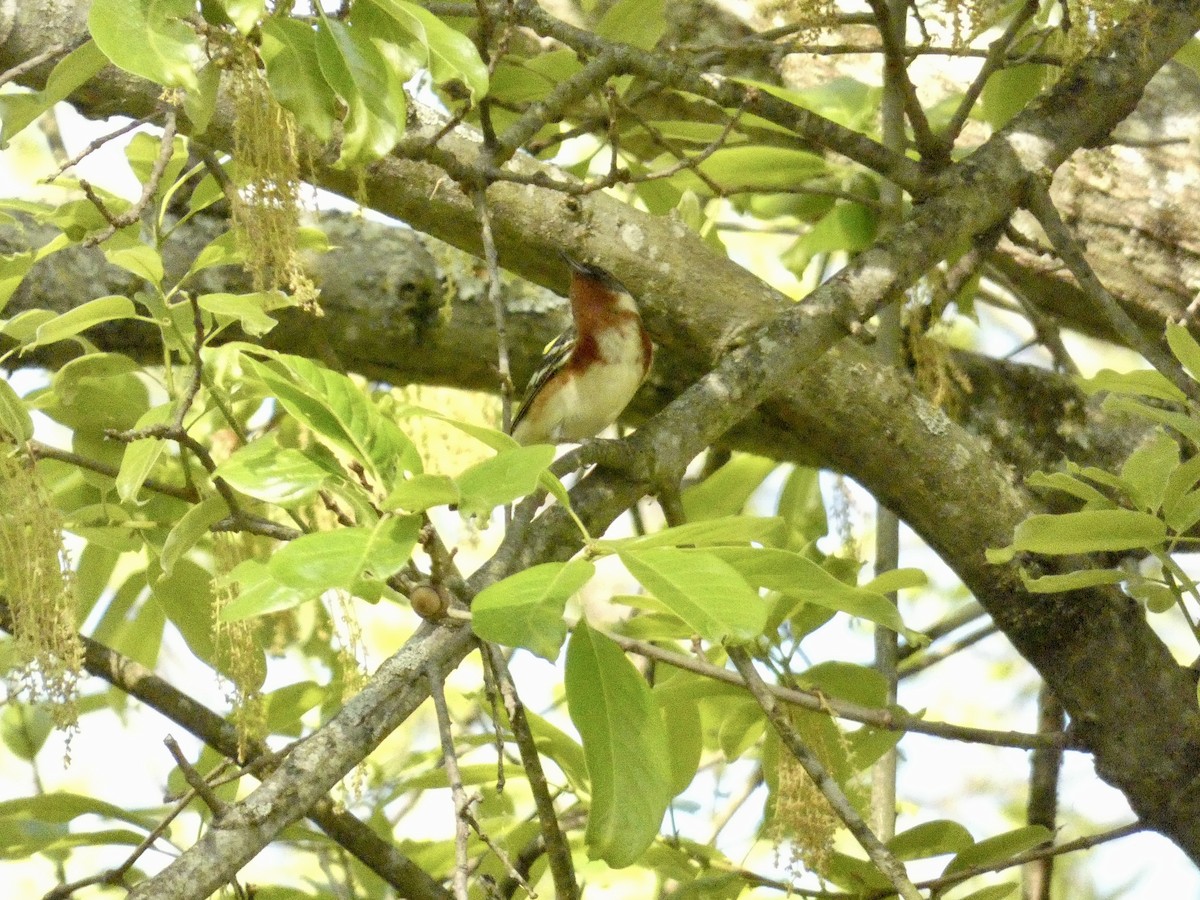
{"points": [[450, 54], [259, 592], [1139, 383], [1148, 471], [700, 588], [930, 839], [265, 471], [190, 528], [81, 318], [421, 492], [1071, 581], [526, 609], [503, 478], [725, 491], [625, 744], [167, 50], [1089, 531], [1000, 847], [336, 559], [15, 420], [289, 48], [71, 73], [1185, 348], [802, 579], [142, 455], [711, 532]]}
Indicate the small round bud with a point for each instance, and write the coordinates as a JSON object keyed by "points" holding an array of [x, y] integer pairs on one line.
{"points": [[428, 602]]}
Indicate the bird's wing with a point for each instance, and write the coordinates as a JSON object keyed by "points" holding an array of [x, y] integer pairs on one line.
{"points": [[554, 357]]}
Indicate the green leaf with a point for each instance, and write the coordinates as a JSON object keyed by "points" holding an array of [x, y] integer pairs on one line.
{"points": [[625, 744], [149, 38], [339, 412], [991, 892], [1089, 531], [802, 506], [701, 589], [24, 729], [75, 69], [847, 681], [686, 734], [81, 318], [265, 471], [140, 259], [449, 53], [1182, 422], [286, 705], [421, 492], [725, 491], [142, 455], [761, 168], [358, 74], [289, 48], [847, 228], [1185, 348], [250, 311], [802, 579], [930, 839], [1148, 471], [562, 748], [640, 23], [526, 609], [191, 527], [243, 14], [1069, 484], [1009, 91], [897, 580], [259, 592], [503, 478], [337, 559], [1071, 581], [15, 420], [711, 532], [999, 848], [1141, 383]]}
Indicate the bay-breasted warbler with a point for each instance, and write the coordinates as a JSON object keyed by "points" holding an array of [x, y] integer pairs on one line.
{"points": [[590, 372]]}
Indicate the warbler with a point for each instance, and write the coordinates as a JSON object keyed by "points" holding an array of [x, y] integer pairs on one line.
{"points": [[590, 372]]}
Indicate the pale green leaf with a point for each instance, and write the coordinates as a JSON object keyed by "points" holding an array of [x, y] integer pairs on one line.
{"points": [[191, 527], [503, 478], [998, 848], [1140, 383], [422, 492], [142, 455], [250, 311], [897, 580], [1185, 348], [450, 54], [711, 532], [701, 589], [140, 259], [337, 559], [637, 22], [74, 70], [15, 420], [1089, 531], [1071, 581], [725, 491], [1148, 471], [149, 38], [259, 592], [265, 471], [289, 48], [81, 318], [625, 745], [526, 609]]}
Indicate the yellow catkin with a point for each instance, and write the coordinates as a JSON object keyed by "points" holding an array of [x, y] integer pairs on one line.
{"points": [[40, 590], [267, 210], [237, 650]]}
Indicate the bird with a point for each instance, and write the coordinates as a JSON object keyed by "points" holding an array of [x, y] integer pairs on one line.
{"points": [[590, 372]]}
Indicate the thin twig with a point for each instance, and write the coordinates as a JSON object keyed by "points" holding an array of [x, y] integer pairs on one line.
{"points": [[491, 258], [195, 780], [116, 876], [887, 719], [98, 143], [558, 851], [1042, 808], [963, 615], [996, 55], [841, 805], [28, 65], [131, 215], [896, 73], [44, 451], [462, 831], [934, 656], [1067, 247]]}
